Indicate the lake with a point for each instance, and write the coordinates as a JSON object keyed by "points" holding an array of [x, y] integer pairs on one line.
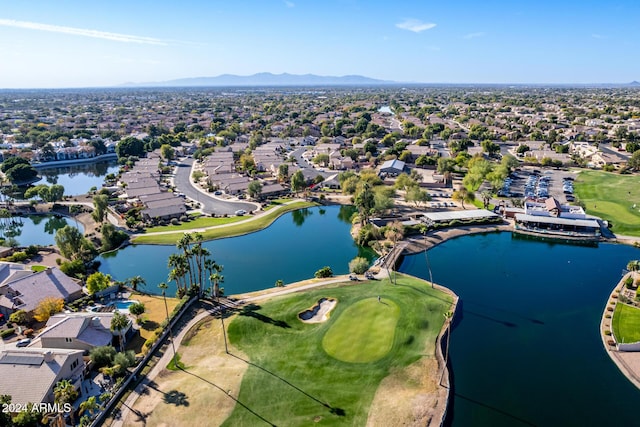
{"points": [[35, 229], [525, 348], [293, 248], [79, 178]]}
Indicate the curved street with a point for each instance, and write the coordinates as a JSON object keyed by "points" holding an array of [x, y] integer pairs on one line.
{"points": [[210, 204]]}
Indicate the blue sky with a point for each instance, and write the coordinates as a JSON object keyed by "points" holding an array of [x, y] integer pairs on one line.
{"points": [[70, 43]]}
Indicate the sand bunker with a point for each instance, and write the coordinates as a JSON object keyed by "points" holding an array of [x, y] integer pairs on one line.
{"points": [[319, 312]]}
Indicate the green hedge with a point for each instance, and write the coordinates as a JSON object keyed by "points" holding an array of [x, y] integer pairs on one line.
{"points": [[7, 333]]}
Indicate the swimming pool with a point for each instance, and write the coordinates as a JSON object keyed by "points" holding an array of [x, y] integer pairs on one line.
{"points": [[123, 306]]}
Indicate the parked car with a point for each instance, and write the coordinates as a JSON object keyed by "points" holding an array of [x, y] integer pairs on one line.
{"points": [[217, 193], [23, 342], [240, 212]]}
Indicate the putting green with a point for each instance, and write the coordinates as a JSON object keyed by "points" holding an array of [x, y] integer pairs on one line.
{"points": [[364, 332]]}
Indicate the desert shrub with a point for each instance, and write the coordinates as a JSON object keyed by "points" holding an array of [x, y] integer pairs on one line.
{"points": [[628, 282], [324, 272], [358, 265]]}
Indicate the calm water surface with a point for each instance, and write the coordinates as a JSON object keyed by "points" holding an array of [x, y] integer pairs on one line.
{"points": [[291, 249], [36, 229], [525, 348], [78, 179]]}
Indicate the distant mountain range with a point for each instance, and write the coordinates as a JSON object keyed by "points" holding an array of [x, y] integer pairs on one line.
{"points": [[266, 79]]}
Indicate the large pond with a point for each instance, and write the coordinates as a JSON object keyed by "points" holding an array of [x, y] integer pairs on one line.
{"points": [[291, 249], [78, 179], [525, 348], [34, 229]]}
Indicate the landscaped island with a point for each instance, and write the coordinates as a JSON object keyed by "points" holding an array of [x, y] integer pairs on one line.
{"points": [[373, 360]]}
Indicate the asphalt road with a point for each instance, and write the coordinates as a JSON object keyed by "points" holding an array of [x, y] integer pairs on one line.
{"points": [[209, 203]]}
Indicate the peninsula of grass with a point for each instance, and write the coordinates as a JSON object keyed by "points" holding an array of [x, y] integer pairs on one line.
{"points": [[328, 373], [611, 197], [626, 323], [249, 225], [199, 222]]}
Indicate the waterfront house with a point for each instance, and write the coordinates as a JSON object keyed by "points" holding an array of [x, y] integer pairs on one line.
{"points": [[78, 331], [26, 292], [30, 374]]}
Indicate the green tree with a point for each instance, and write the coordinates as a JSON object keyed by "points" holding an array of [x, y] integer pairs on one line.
{"points": [[5, 417], [417, 196], [31, 417], [279, 283], [102, 356], [112, 237], [19, 317], [297, 182], [634, 161], [130, 146], [283, 172], [365, 201], [119, 323], [463, 195], [100, 203], [254, 189], [358, 265], [321, 159], [21, 173], [97, 282], [167, 152], [10, 162]]}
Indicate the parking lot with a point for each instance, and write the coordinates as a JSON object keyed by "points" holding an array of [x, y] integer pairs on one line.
{"points": [[539, 183]]}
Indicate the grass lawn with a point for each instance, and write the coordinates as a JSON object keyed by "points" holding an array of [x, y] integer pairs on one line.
{"points": [[256, 224], [626, 323], [611, 197], [200, 222], [154, 315], [293, 379]]}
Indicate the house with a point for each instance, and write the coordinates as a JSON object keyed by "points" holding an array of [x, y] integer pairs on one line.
{"points": [[552, 218], [78, 331], [392, 167], [25, 293], [30, 374]]}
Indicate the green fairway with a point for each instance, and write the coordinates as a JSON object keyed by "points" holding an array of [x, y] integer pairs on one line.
{"points": [[626, 323], [327, 373], [364, 332], [612, 197], [235, 229]]}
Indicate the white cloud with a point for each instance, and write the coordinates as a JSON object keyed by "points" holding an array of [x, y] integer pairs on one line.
{"points": [[124, 38], [415, 25], [474, 35], [289, 3]]}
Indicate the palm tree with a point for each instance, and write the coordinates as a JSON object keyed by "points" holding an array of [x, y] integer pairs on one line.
{"points": [[64, 392], [135, 281], [486, 198], [90, 405], [395, 232], [633, 265], [424, 230], [184, 244], [448, 315], [119, 323], [164, 287]]}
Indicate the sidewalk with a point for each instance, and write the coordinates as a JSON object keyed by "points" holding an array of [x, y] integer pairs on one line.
{"points": [[129, 404]]}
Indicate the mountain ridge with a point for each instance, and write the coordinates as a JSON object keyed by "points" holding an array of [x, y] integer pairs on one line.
{"points": [[266, 79]]}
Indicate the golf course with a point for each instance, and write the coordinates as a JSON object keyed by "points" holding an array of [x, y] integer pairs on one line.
{"points": [[328, 373], [371, 361], [613, 197]]}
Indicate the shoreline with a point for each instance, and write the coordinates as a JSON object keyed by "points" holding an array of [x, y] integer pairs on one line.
{"points": [[628, 362], [70, 162]]}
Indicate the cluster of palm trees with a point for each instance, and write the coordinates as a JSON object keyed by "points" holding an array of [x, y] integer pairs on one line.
{"points": [[191, 267]]}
